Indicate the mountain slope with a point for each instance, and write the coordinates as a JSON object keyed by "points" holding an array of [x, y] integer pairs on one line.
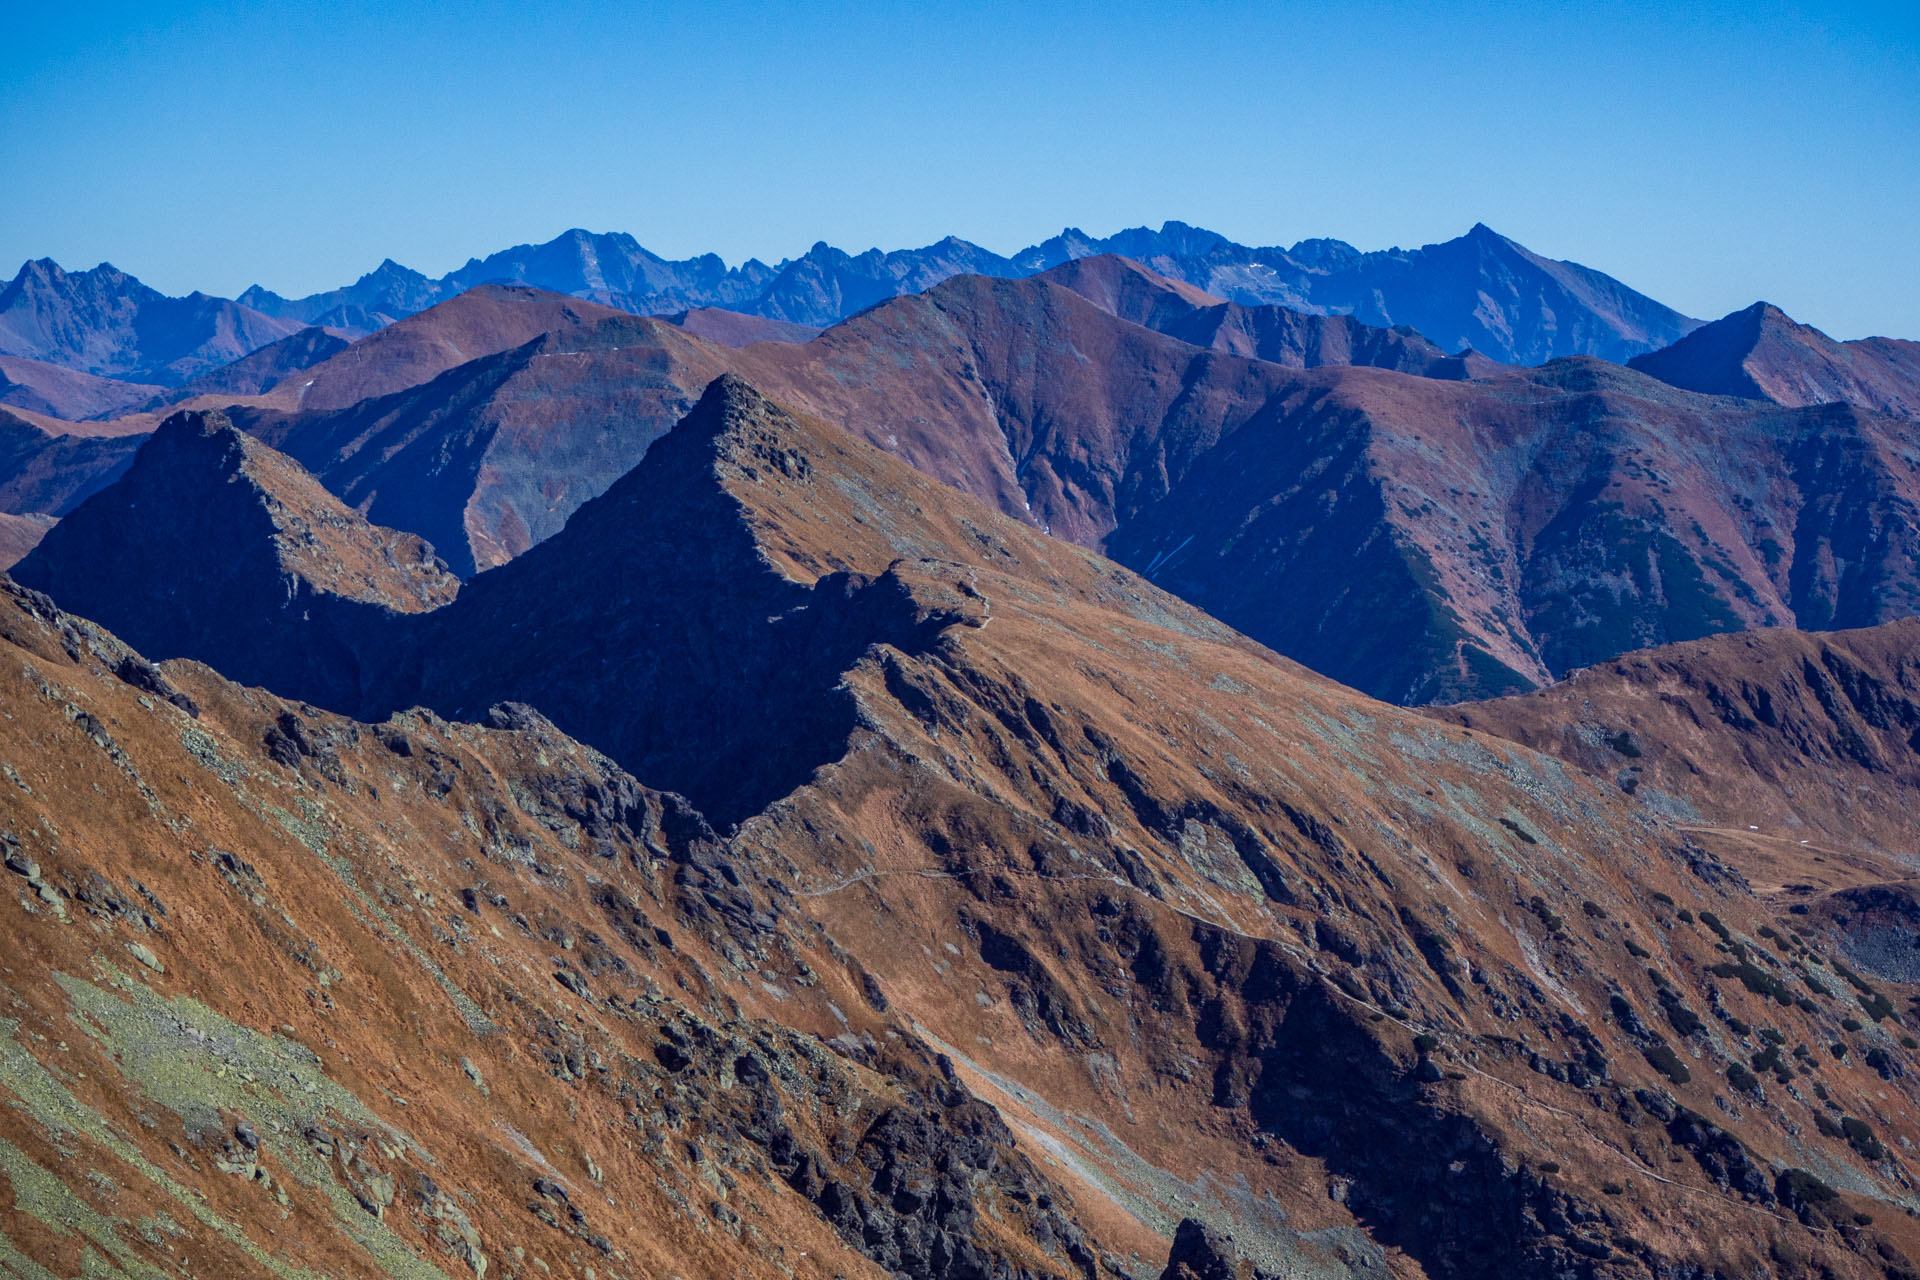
{"points": [[1762, 354], [212, 546], [734, 329], [490, 457], [47, 469], [1794, 733], [1514, 526], [21, 534], [297, 996], [60, 392], [107, 323], [1217, 937], [266, 368]]}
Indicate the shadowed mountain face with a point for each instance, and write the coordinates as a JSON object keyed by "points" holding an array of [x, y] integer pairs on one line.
{"points": [[107, 323], [1762, 354], [212, 546], [1052, 913], [44, 471]]}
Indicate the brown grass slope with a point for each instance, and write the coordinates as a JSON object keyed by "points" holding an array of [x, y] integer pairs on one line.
{"points": [[289, 995], [1151, 887], [1214, 937]]}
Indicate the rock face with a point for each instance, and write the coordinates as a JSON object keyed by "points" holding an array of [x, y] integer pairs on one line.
{"points": [[212, 546], [107, 323], [1200, 1253], [1762, 354]]}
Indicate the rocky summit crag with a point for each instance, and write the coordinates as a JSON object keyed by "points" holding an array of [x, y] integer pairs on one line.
{"points": [[796, 866]]}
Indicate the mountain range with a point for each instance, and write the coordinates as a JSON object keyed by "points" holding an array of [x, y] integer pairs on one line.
{"points": [[1481, 291], [1302, 477], [795, 865]]}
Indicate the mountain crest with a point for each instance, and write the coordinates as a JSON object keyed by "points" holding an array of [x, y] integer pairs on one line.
{"points": [[216, 547], [1762, 353]]}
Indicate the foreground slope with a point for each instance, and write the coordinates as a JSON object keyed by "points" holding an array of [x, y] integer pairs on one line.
{"points": [[1118, 836], [1215, 938], [289, 995]]}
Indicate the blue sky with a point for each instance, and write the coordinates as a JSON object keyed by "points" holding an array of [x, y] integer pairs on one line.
{"points": [[1707, 154]]}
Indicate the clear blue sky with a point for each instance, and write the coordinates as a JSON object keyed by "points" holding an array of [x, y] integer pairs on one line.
{"points": [[1708, 154]]}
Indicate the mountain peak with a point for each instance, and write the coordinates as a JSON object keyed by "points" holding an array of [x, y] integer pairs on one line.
{"points": [[1761, 353], [216, 547]]}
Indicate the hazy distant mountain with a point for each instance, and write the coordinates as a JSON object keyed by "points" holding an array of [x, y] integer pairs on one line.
{"points": [[106, 322], [1297, 339], [1481, 290], [611, 268], [1761, 353]]}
